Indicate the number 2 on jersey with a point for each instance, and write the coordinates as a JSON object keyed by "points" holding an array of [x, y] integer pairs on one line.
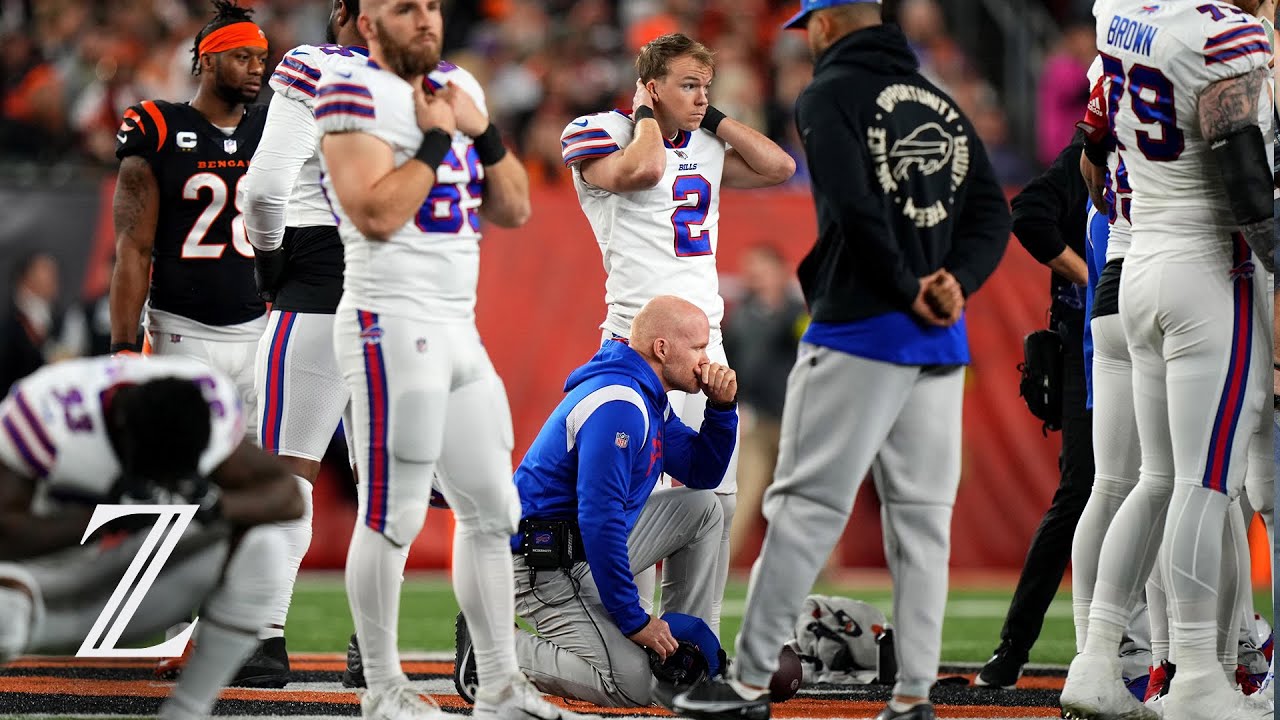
{"points": [[688, 242], [1151, 94], [194, 248]]}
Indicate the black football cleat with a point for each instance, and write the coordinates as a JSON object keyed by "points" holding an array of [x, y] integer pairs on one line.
{"points": [[267, 667], [923, 711], [465, 677], [1003, 669], [353, 675], [720, 700]]}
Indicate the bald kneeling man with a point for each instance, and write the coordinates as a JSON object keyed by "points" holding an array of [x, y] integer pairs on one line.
{"points": [[589, 523]]}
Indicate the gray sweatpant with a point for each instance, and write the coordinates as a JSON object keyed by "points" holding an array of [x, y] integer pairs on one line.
{"points": [[579, 652], [845, 415]]}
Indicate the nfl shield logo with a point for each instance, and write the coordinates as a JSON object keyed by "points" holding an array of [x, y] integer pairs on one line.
{"points": [[230, 146], [621, 440]]}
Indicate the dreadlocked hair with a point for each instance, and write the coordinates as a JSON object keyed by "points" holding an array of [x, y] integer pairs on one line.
{"points": [[225, 12]]}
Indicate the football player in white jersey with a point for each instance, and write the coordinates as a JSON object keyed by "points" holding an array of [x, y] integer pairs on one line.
{"points": [[298, 265], [164, 430], [649, 183], [411, 163], [1184, 83]]}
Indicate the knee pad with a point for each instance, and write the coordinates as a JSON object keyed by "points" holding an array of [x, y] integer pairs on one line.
{"points": [[414, 443], [493, 510], [254, 576], [20, 614]]}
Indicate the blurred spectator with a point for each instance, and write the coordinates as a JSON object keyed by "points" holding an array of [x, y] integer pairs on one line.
{"points": [[761, 335], [1012, 170], [34, 118], [31, 319], [1064, 89]]}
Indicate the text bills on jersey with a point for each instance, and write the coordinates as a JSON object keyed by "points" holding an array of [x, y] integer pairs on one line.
{"points": [[297, 78], [430, 266], [53, 426], [658, 241], [938, 145]]}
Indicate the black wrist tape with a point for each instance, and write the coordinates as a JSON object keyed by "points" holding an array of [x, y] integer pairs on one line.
{"points": [[642, 113], [126, 347], [1097, 152], [489, 146], [712, 119], [435, 145]]}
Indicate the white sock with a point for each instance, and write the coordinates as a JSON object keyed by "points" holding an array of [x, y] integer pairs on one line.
{"points": [[298, 535], [214, 661], [1107, 496], [1234, 584], [484, 583], [375, 572], [1158, 614], [1197, 520], [1128, 553]]}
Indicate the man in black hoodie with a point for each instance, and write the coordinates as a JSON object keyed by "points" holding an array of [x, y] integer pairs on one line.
{"points": [[911, 222]]}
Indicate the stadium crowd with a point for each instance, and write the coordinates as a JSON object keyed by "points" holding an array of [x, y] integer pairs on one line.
{"points": [[71, 67]]}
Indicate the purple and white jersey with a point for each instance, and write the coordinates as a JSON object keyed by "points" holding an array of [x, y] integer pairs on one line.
{"points": [[297, 78], [657, 241], [53, 429], [429, 267]]}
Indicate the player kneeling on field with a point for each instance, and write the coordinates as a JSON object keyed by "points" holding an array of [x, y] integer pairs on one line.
{"points": [[138, 431], [591, 520]]}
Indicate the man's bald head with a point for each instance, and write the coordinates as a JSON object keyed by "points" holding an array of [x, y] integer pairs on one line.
{"points": [[667, 316], [672, 335]]}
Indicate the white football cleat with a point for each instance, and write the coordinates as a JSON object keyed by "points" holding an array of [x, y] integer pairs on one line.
{"points": [[401, 702], [1094, 691], [520, 701], [1208, 697]]}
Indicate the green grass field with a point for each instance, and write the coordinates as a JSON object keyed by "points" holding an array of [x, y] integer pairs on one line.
{"points": [[320, 620]]}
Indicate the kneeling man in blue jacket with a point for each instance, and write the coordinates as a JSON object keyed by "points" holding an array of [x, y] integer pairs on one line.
{"points": [[591, 518]]}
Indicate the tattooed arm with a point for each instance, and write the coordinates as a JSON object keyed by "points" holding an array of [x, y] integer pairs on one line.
{"points": [[135, 210], [1229, 123]]}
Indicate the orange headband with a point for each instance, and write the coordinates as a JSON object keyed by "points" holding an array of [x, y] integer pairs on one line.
{"points": [[236, 35]]}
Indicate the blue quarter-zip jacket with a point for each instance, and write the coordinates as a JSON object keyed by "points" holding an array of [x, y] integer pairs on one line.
{"points": [[599, 455]]}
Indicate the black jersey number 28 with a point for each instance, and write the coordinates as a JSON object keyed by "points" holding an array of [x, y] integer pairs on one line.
{"points": [[196, 247]]}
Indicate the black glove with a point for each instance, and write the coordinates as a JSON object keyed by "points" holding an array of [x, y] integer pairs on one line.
{"points": [[268, 270]]}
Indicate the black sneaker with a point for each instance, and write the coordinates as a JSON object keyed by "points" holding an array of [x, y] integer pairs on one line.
{"points": [[353, 675], [465, 677], [923, 711], [1002, 670], [267, 667], [718, 700]]}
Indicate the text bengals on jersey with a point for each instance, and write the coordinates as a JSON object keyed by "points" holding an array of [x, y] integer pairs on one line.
{"points": [[218, 164]]}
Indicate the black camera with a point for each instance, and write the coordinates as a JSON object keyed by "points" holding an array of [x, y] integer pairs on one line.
{"points": [[550, 544]]}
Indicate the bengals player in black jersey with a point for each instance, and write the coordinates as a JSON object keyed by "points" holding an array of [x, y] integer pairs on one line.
{"points": [[179, 231], [179, 234]]}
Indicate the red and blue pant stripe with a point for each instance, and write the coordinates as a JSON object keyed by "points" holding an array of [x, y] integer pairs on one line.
{"points": [[1231, 403], [273, 406], [377, 470]]}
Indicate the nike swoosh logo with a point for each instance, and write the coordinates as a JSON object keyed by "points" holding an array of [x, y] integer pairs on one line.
{"points": [[121, 137], [580, 124]]}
